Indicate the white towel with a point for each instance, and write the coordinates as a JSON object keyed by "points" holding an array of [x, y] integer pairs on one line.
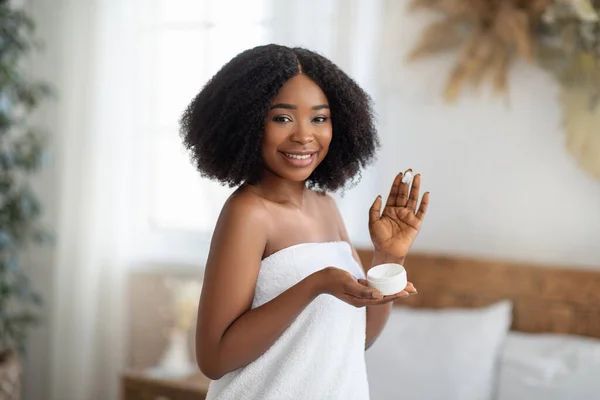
{"points": [[321, 355]]}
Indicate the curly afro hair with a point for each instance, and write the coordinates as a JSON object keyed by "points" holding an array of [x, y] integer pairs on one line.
{"points": [[223, 126]]}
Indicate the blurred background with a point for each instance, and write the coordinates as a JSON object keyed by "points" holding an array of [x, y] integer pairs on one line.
{"points": [[122, 200]]}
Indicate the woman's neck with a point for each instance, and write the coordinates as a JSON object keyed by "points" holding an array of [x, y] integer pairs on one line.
{"points": [[280, 190]]}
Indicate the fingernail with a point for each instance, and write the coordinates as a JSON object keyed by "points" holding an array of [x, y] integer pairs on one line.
{"points": [[376, 295]]}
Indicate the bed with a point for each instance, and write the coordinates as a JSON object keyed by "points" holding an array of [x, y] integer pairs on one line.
{"points": [[490, 329]]}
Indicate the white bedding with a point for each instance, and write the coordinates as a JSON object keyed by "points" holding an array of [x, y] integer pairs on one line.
{"points": [[549, 367], [447, 354], [469, 354]]}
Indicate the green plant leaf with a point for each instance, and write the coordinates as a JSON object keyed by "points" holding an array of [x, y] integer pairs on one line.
{"points": [[23, 151]]}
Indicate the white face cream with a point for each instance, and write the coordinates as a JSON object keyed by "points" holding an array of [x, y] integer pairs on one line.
{"points": [[407, 177], [387, 278]]}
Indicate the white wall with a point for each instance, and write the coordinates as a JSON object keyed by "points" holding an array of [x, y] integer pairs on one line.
{"points": [[502, 182]]}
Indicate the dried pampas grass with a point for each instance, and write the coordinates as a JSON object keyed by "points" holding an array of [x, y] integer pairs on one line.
{"points": [[562, 36], [489, 33]]}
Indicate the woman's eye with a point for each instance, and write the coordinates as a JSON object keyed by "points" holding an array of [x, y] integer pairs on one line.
{"points": [[320, 119], [282, 118]]}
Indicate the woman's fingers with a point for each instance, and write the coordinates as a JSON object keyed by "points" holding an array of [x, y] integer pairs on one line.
{"points": [[361, 291], [405, 194], [410, 288], [375, 210], [358, 293], [401, 295], [391, 200], [413, 198], [402, 194], [423, 207], [362, 300]]}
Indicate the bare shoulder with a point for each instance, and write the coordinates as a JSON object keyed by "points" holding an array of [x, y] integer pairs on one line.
{"points": [[329, 203], [244, 221], [244, 206], [238, 242], [232, 266]]}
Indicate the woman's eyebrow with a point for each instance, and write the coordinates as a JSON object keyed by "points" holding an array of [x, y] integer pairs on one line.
{"points": [[284, 105]]}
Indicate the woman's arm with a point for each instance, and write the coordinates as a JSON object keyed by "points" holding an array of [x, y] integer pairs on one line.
{"points": [[229, 334], [377, 315]]}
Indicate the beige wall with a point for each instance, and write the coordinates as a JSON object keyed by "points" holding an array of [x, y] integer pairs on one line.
{"points": [[502, 182]]}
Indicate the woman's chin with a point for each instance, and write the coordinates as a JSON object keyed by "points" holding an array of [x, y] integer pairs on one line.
{"points": [[292, 174], [296, 177]]}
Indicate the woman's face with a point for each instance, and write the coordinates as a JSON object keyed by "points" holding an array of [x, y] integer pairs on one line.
{"points": [[297, 130]]}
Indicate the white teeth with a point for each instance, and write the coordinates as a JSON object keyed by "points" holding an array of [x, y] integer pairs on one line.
{"points": [[298, 156]]}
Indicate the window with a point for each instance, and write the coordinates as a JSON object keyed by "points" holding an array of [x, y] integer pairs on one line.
{"points": [[182, 44]]}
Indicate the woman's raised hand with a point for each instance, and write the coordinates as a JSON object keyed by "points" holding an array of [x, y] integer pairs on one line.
{"points": [[394, 231]]}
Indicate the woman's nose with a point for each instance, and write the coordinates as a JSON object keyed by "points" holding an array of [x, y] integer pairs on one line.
{"points": [[303, 134]]}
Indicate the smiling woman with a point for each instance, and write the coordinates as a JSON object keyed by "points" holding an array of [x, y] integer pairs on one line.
{"points": [[125, 194], [297, 130], [284, 300], [224, 137]]}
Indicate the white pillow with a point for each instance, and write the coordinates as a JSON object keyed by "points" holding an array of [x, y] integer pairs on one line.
{"points": [[446, 354], [549, 367]]}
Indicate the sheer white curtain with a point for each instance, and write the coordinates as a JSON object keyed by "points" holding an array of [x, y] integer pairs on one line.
{"points": [[94, 152]]}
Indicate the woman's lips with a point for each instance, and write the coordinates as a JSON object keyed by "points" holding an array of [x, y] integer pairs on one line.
{"points": [[299, 159]]}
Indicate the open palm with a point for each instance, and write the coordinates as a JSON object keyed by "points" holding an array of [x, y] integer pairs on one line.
{"points": [[395, 230]]}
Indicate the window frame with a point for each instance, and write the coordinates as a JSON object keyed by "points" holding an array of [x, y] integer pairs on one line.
{"points": [[154, 243]]}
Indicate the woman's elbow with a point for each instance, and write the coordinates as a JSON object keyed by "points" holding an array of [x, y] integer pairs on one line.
{"points": [[211, 373], [209, 367]]}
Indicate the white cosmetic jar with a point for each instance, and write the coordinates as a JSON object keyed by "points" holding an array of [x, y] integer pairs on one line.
{"points": [[387, 278]]}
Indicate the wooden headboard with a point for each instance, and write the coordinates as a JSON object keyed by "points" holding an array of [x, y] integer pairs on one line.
{"points": [[546, 299]]}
